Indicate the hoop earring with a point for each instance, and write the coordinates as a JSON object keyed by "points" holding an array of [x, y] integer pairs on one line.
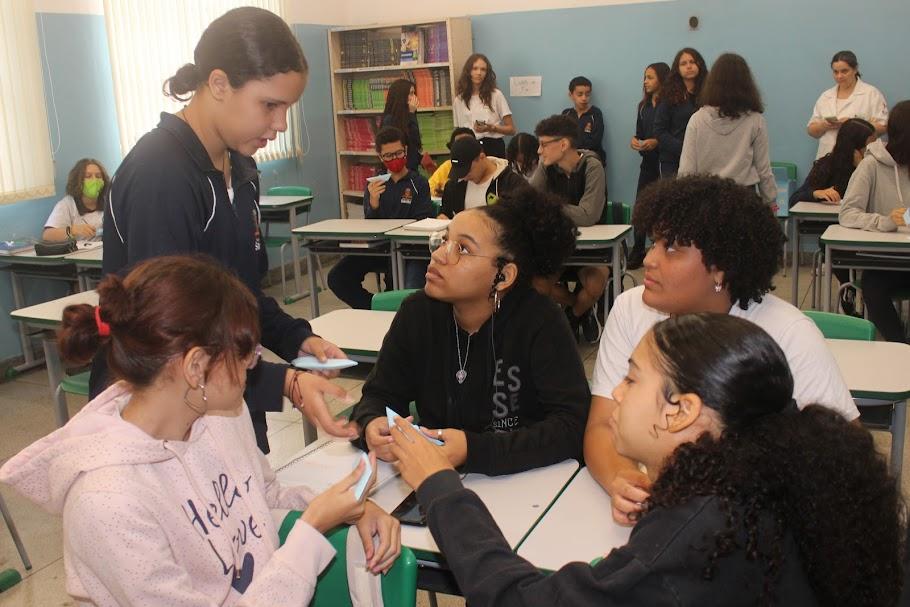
{"points": [[194, 408]]}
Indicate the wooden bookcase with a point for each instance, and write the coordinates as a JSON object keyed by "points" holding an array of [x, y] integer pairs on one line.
{"points": [[354, 46]]}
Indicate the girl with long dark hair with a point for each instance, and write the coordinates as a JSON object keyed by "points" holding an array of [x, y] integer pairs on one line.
{"points": [[482, 107], [678, 101]]}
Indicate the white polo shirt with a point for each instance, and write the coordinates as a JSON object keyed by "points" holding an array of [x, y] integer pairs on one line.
{"points": [[816, 378], [866, 102]]}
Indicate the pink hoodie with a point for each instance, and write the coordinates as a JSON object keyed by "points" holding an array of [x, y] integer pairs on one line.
{"points": [[156, 522]]}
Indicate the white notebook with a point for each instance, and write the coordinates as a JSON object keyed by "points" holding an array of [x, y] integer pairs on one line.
{"points": [[430, 224], [326, 461]]}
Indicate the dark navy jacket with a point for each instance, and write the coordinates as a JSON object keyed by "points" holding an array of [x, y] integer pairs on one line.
{"points": [[590, 130]]}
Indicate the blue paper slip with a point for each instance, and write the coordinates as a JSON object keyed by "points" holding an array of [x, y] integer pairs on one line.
{"points": [[311, 363], [361, 485], [392, 416]]}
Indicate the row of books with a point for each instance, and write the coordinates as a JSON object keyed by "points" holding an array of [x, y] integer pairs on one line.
{"points": [[358, 173], [435, 130], [359, 133], [369, 92], [376, 48]]}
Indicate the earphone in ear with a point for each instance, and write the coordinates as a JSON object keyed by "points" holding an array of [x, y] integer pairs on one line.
{"points": [[500, 277]]}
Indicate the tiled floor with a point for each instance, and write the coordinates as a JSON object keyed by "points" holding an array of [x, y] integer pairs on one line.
{"points": [[26, 414]]}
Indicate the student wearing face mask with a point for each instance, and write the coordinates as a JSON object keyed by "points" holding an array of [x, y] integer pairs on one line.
{"points": [[191, 185], [80, 213], [401, 112], [404, 195]]}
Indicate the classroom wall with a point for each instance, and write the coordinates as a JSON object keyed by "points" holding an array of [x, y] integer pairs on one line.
{"points": [[78, 66]]}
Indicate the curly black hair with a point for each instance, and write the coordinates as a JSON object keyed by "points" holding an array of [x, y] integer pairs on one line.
{"points": [[532, 231], [558, 126], [734, 230], [776, 471]]}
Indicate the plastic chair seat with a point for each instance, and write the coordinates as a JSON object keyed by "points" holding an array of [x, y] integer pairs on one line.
{"points": [[390, 301], [76, 384]]}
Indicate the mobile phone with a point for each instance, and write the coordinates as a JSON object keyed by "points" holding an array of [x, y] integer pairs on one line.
{"points": [[410, 512], [831, 118], [480, 122]]}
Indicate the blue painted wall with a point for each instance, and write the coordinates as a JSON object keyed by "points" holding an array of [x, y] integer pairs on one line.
{"points": [[788, 45]]}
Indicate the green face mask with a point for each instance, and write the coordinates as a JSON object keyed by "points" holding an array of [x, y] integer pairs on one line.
{"points": [[92, 187]]}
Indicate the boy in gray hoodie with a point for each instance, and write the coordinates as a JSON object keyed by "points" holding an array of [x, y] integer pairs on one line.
{"points": [[728, 136], [879, 185]]}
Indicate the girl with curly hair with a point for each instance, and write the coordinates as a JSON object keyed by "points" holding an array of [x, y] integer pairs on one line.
{"points": [[717, 247], [754, 502], [482, 107], [489, 362], [678, 101]]}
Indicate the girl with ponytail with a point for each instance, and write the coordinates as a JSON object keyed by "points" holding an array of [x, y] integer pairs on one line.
{"points": [[191, 185], [165, 497], [753, 502], [490, 363]]}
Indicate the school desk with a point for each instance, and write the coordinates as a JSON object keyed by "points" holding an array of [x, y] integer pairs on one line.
{"points": [[292, 205], [816, 213]]}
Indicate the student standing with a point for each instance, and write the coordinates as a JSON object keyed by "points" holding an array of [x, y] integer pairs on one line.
{"points": [[850, 97], [404, 195], [875, 200], [738, 516], [589, 118], [476, 179], [80, 213], [728, 135], [440, 176], [678, 101], [401, 112], [578, 179], [488, 361], [165, 498], [645, 143], [191, 185], [482, 107]]}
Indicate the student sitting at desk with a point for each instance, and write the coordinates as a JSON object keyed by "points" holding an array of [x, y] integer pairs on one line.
{"points": [[717, 248], [165, 497], [476, 179], [440, 176], [881, 184], [754, 502], [827, 183], [489, 362], [522, 154], [404, 195], [577, 177], [80, 213]]}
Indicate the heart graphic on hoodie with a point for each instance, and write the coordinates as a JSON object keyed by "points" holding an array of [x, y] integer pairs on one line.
{"points": [[243, 578]]}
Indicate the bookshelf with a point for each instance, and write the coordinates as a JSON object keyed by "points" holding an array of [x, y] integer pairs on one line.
{"points": [[364, 61]]}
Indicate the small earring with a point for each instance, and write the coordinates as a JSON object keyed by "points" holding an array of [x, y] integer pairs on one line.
{"points": [[205, 398], [718, 287]]}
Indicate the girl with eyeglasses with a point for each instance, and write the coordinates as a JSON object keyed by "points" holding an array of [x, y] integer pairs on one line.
{"points": [[490, 363], [165, 497]]}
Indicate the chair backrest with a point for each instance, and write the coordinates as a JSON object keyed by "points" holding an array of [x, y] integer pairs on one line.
{"points": [[790, 167], [290, 190], [841, 326], [399, 585], [615, 213], [786, 185], [390, 301]]}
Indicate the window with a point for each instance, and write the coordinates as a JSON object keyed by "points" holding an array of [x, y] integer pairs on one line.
{"points": [[26, 166], [148, 42]]}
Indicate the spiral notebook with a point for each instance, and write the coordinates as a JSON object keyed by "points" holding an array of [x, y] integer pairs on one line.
{"points": [[326, 461]]}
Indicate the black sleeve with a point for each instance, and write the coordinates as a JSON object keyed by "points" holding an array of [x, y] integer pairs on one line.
{"points": [[803, 194], [391, 383], [669, 144], [281, 333], [563, 396], [490, 573], [450, 204], [509, 181], [422, 206], [598, 136]]}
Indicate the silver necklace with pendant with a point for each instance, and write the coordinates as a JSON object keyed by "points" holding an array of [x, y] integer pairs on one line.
{"points": [[461, 374]]}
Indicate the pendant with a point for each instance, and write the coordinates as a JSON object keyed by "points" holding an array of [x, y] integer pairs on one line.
{"points": [[460, 375]]}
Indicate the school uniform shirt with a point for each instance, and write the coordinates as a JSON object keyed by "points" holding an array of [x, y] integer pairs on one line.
{"points": [[591, 130], [662, 565], [168, 199], [467, 114], [584, 190], [878, 186], [644, 129], [407, 198], [413, 140], [159, 522], [459, 195], [65, 214], [524, 401], [816, 377], [865, 102], [735, 148], [670, 122]]}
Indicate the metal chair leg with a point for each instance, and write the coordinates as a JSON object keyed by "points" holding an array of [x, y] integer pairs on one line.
{"points": [[61, 410], [7, 517]]}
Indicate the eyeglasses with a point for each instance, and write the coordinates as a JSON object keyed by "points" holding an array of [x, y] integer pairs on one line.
{"points": [[393, 155], [544, 144], [257, 354], [452, 249]]}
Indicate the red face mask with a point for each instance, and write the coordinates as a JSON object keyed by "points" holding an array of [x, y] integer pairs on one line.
{"points": [[396, 165]]}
